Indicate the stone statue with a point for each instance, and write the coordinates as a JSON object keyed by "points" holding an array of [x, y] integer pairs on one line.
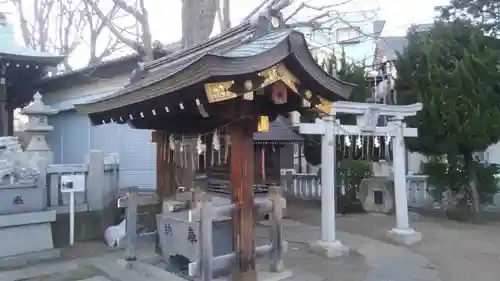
{"points": [[15, 165]]}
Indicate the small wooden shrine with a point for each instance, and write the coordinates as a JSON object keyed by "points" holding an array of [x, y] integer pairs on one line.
{"points": [[20, 69], [207, 101]]}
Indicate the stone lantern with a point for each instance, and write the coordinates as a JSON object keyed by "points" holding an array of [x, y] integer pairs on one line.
{"points": [[38, 128]]}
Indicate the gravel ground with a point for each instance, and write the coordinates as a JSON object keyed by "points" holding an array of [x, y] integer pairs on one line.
{"points": [[460, 251]]}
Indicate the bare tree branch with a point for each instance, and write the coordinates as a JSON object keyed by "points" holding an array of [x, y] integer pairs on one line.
{"points": [[60, 26], [143, 41]]}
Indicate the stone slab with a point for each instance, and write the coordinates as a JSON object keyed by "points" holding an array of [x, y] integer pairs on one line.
{"points": [[29, 258], [96, 278], [329, 250], [27, 218], [18, 198], [25, 239], [404, 237], [263, 275], [37, 270]]}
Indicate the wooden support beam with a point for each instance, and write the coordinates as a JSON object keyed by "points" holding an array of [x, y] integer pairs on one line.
{"points": [[242, 176]]}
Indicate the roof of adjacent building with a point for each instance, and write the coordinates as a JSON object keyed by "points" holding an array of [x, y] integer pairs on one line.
{"points": [[10, 49], [387, 47], [279, 130]]}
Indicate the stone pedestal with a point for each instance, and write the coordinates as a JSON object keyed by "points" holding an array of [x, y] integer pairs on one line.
{"points": [[25, 225], [404, 236], [377, 195], [329, 250], [26, 237]]}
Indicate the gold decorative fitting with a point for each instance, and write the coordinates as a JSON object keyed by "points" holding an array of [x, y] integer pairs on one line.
{"points": [[248, 85], [308, 94], [263, 124], [276, 73], [219, 91], [248, 96], [324, 106]]}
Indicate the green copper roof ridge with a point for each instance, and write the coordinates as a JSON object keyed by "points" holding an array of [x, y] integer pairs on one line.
{"points": [[11, 49]]}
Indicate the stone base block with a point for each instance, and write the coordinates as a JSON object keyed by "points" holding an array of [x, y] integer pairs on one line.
{"points": [[263, 275], [25, 233], [329, 250], [404, 236], [29, 258]]}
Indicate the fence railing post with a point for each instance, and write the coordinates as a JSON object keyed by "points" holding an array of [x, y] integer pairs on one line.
{"points": [[42, 181], [276, 217], [131, 224], [96, 187], [286, 181], [206, 247]]}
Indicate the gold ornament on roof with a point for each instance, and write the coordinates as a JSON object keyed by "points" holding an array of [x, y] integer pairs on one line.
{"points": [[279, 73], [325, 106], [219, 91]]}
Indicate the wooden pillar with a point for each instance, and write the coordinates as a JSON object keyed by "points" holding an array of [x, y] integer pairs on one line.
{"points": [[276, 164], [242, 175], [10, 120], [4, 116], [164, 169]]}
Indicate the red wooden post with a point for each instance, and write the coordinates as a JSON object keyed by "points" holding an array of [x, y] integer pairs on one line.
{"points": [[242, 176]]}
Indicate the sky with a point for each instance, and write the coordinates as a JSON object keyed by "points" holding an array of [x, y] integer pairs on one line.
{"points": [[165, 16], [399, 14]]}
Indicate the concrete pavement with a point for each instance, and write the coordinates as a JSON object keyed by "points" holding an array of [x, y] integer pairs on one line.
{"points": [[372, 260]]}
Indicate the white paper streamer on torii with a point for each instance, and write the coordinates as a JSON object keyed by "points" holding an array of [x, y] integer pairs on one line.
{"points": [[171, 146], [215, 147]]}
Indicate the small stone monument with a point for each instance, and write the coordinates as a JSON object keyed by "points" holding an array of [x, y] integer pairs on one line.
{"points": [[377, 193], [38, 127]]}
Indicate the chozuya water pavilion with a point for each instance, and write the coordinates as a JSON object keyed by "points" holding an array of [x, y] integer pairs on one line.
{"points": [[20, 69], [224, 87]]}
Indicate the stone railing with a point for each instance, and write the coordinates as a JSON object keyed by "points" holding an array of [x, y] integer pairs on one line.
{"points": [[300, 185], [308, 187], [101, 182]]}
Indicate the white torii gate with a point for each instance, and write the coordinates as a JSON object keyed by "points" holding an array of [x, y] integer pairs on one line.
{"points": [[367, 116]]}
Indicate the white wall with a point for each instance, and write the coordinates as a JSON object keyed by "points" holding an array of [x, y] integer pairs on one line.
{"points": [[73, 136]]}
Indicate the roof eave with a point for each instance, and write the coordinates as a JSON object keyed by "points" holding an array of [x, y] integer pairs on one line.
{"points": [[45, 60]]}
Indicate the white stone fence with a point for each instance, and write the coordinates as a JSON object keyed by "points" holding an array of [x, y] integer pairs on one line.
{"points": [[308, 187], [101, 182]]}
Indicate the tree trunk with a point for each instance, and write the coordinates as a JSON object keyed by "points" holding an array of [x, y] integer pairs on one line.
{"points": [[198, 17], [472, 181]]}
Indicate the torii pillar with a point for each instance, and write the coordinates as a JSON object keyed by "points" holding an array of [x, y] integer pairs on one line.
{"points": [[328, 246]]}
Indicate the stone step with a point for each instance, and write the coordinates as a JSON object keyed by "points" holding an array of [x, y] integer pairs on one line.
{"points": [[37, 270], [96, 278]]}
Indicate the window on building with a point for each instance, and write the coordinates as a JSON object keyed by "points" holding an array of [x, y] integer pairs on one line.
{"points": [[348, 35]]}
